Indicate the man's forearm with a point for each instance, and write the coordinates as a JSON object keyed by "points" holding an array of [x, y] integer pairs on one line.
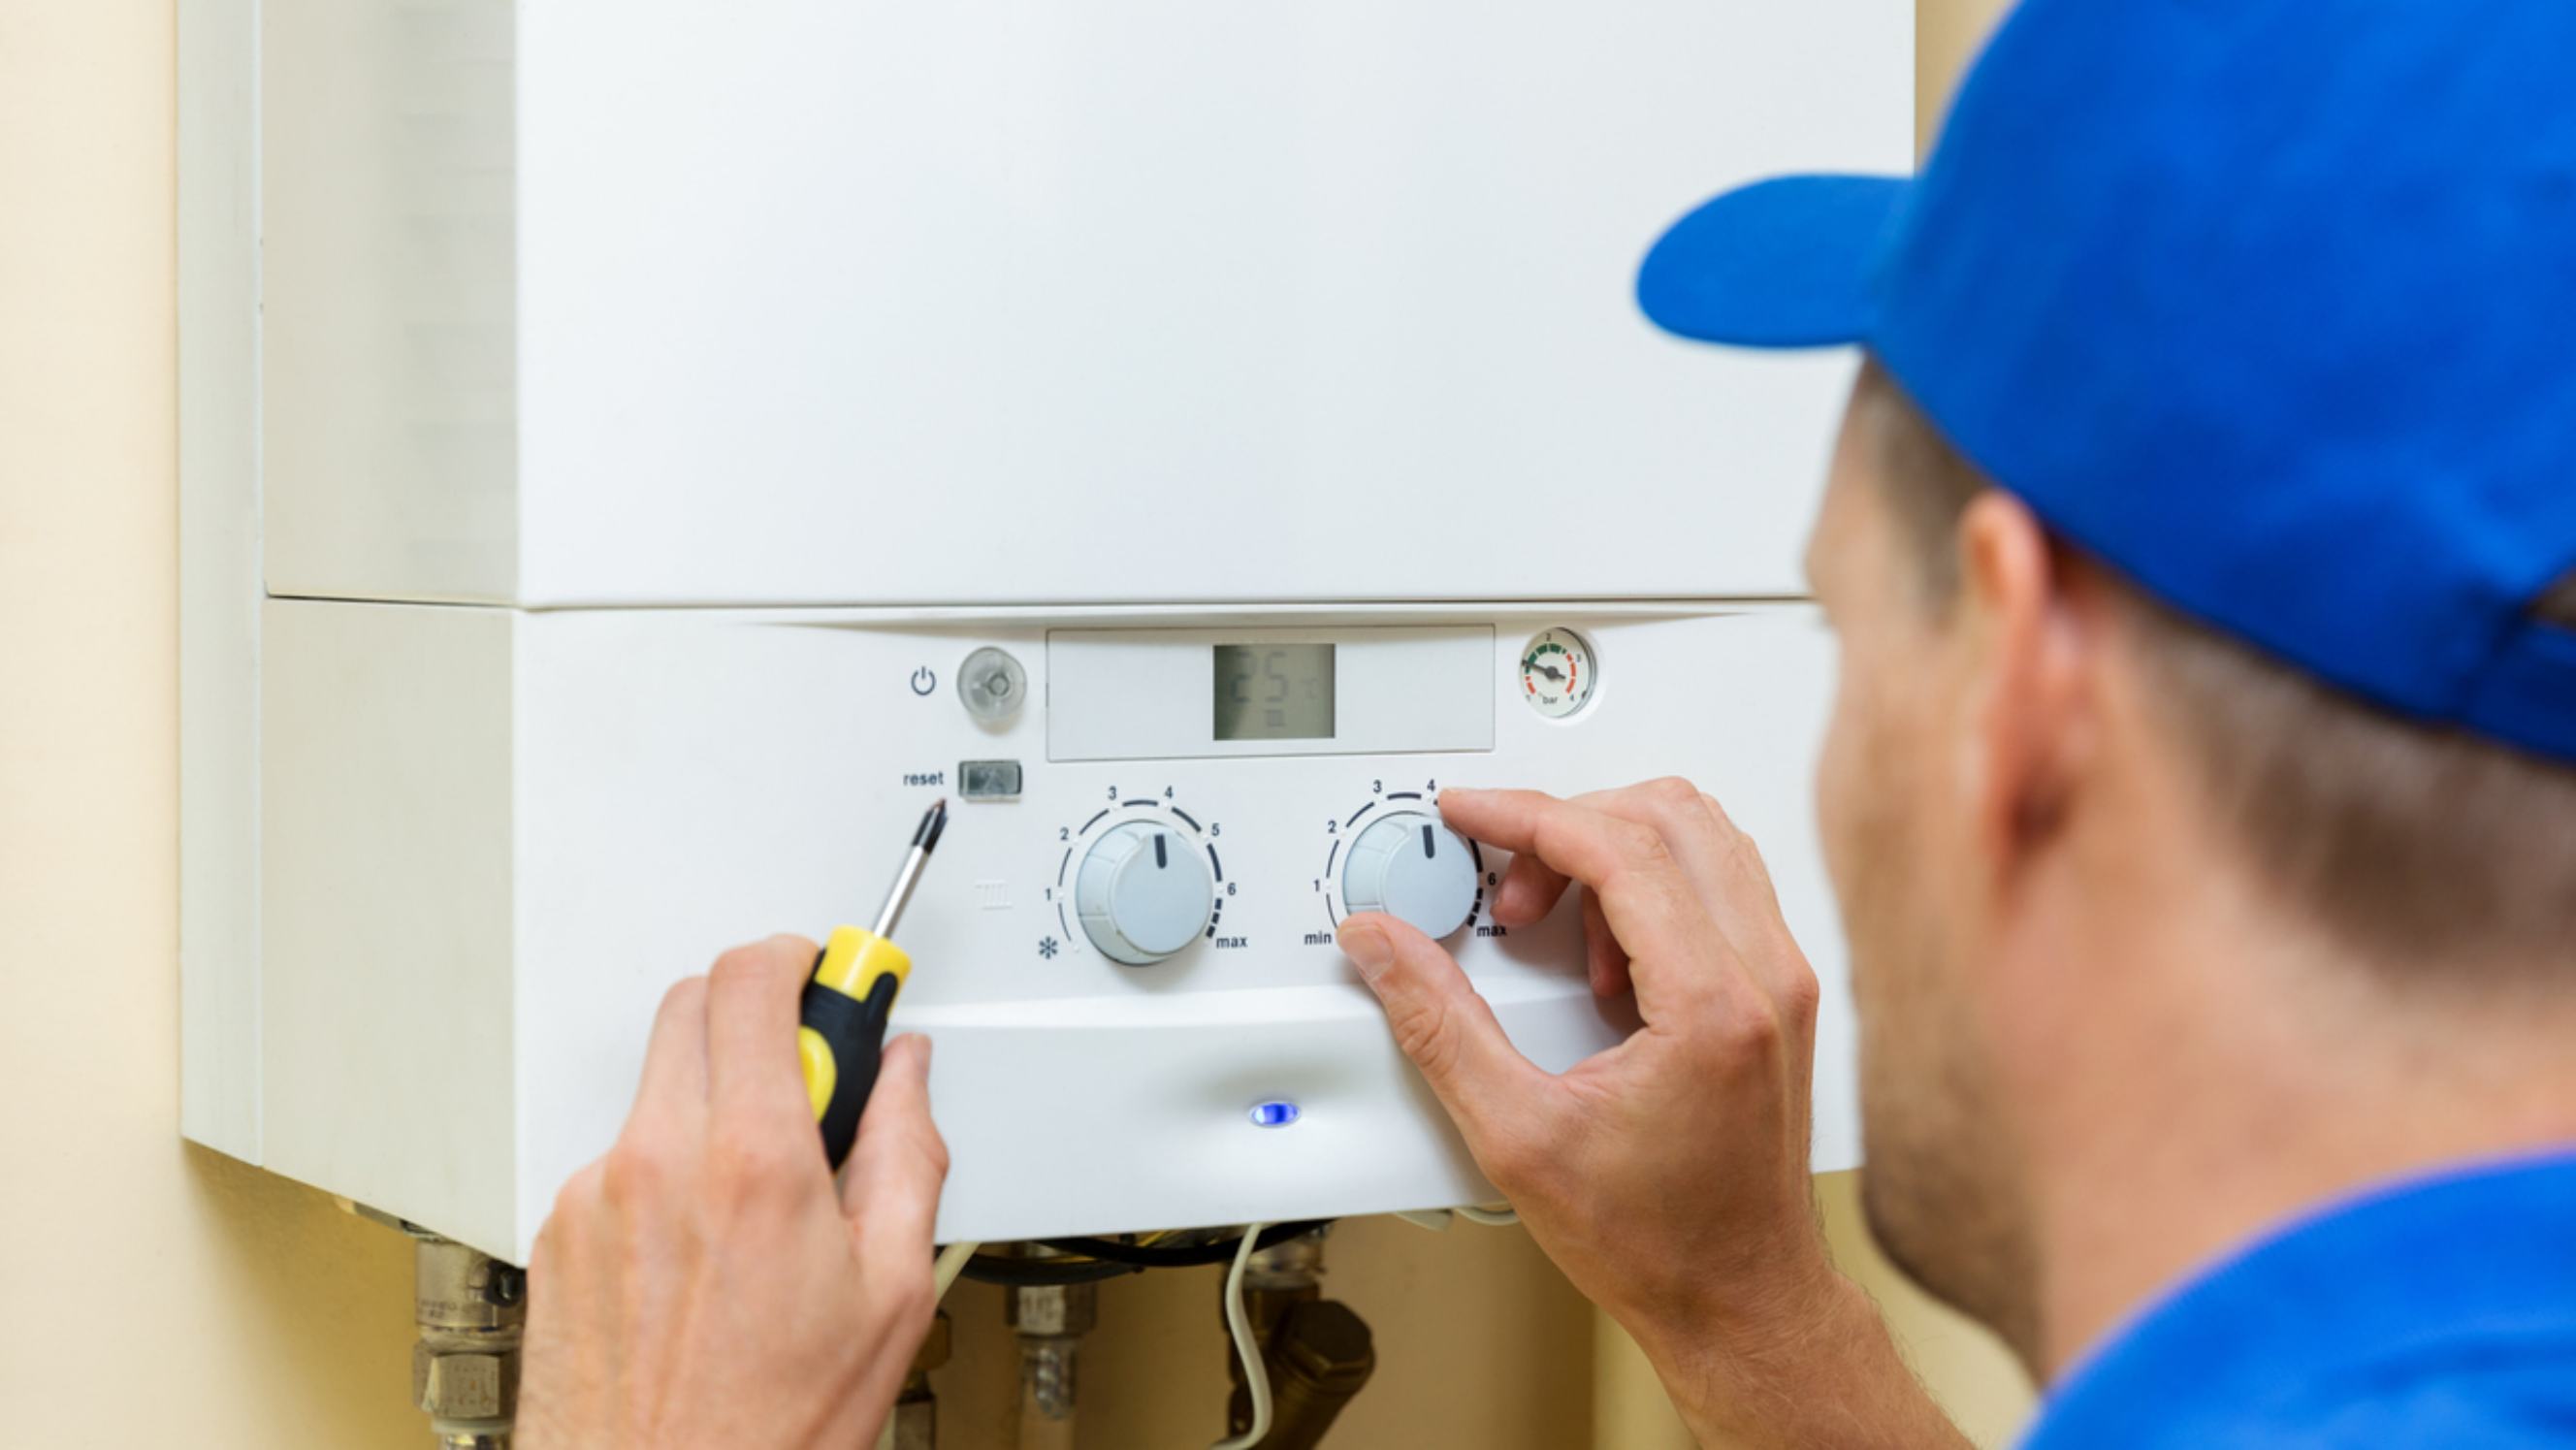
{"points": [[1822, 1372]]}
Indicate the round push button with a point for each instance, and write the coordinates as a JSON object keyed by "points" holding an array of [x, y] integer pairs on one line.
{"points": [[992, 684]]}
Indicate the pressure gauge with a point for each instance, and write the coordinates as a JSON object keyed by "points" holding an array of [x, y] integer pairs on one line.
{"points": [[1557, 673]]}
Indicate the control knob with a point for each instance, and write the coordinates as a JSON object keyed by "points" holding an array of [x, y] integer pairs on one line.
{"points": [[1143, 894], [1415, 869]]}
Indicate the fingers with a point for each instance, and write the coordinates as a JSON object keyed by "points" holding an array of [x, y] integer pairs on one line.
{"points": [[674, 1087], [1530, 890], [566, 1268], [1517, 820], [1696, 832], [1750, 913], [1673, 808], [900, 1162], [1719, 868], [1605, 961], [1725, 870], [752, 1064], [1447, 1030], [1648, 902]]}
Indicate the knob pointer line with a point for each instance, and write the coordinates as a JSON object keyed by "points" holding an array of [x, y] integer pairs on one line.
{"points": [[841, 1039]]}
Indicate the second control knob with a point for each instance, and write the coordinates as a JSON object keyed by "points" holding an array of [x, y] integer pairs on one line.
{"points": [[1143, 893], [1415, 869]]}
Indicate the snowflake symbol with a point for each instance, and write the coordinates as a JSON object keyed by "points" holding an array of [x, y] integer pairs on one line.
{"points": [[1047, 947]]}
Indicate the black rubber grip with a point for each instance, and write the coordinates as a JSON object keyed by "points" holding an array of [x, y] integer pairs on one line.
{"points": [[856, 1032]]}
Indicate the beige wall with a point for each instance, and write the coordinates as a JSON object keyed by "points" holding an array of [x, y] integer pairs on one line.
{"points": [[151, 1293]]}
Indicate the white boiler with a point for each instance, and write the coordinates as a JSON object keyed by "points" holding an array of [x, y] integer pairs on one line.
{"points": [[637, 454]]}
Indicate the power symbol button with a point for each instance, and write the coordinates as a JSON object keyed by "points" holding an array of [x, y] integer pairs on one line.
{"points": [[923, 681]]}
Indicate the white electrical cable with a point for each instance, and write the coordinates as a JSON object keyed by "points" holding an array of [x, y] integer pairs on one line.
{"points": [[1502, 1217], [1238, 1322], [952, 1262]]}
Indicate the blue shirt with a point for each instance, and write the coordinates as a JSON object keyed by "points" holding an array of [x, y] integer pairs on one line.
{"points": [[2437, 1312]]}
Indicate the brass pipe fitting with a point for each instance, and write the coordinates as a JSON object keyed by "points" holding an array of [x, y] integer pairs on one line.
{"points": [[1317, 1352], [472, 1310], [1050, 1321], [916, 1410]]}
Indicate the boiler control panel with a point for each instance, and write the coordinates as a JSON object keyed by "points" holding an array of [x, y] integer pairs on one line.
{"points": [[1126, 948]]}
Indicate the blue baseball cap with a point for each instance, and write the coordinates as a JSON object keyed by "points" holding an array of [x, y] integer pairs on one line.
{"points": [[2268, 304]]}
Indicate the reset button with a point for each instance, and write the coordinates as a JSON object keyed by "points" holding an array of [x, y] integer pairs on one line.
{"points": [[988, 780]]}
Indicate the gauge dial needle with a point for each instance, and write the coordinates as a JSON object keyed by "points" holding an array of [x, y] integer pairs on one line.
{"points": [[1554, 675]]}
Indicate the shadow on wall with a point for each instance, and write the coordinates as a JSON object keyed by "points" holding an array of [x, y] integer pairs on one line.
{"points": [[318, 1296]]}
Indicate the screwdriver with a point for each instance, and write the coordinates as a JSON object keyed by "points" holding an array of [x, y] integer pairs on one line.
{"points": [[849, 997]]}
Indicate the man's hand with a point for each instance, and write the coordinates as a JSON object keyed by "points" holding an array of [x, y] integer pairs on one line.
{"points": [[1668, 1175], [705, 1284]]}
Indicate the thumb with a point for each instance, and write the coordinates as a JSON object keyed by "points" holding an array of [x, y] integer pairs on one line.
{"points": [[1443, 1025]]}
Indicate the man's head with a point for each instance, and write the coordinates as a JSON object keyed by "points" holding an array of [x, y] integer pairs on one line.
{"points": [[2202, 793], [2013, 717]]}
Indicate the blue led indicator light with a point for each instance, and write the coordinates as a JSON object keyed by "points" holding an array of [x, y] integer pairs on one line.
{"points": [[1274, 1114]]}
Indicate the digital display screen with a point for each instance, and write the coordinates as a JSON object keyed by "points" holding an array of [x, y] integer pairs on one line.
{"points": [[1274, 692]]}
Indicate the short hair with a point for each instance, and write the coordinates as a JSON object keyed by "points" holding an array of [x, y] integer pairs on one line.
{"points": [[2413, 844]]}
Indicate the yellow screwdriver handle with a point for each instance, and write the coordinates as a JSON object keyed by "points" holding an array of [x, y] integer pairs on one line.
{"points": [[842, 1036]]}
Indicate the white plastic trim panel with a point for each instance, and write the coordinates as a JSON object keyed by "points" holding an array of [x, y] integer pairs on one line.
{"points": [[1152, 301], [219, 581], [389, 910]]}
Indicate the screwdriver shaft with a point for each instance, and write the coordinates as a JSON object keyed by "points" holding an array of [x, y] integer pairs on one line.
{"points": [[923, 839]]}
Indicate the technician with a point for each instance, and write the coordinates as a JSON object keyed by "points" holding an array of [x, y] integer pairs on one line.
{"points": [[2201, 797]]}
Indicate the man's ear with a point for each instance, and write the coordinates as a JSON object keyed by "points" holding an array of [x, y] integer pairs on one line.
{"points": [[2030, 640]]}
